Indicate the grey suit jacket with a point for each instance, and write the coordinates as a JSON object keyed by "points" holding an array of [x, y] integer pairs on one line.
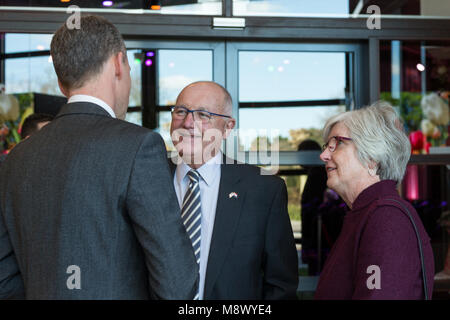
{"points": [[96, 193]]}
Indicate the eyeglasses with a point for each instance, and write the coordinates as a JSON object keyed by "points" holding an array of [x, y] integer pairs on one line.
{"points": [[333, 143], [180, 113]]}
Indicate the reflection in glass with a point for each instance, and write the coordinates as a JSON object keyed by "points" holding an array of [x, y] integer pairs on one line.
{"points": [[341, 8], [164, 120], [290, 8], [22, 42], [191, 7], [34, 74], [178, 68], [414, 77], [291, 76], [134, 117], [199, 7], [291, 125], [136, 80]]}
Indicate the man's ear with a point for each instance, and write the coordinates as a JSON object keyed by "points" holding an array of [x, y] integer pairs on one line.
{"points": [[119, 64], [229, 127], [63, 90]]}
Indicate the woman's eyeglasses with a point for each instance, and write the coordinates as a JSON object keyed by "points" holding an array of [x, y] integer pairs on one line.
{"points": [[333, 142]]}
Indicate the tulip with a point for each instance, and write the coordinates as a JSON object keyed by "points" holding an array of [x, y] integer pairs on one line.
{"points": [[436, 133], [416, 138], [427, 127]]}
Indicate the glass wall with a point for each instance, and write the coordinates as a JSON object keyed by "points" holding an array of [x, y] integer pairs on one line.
{"points": [[25, 42], [267, 78], [185, 7], [29, 74], [29, 69], [177, 69], [285, 8], [281, 8], [415, 77], [342, 8]]}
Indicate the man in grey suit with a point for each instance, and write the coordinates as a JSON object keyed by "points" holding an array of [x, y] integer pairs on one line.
{"points": [[87, 207]]}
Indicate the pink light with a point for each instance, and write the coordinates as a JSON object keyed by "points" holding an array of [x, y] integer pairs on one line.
{"points": [[148, 62], [411, 182], [107, 3]]}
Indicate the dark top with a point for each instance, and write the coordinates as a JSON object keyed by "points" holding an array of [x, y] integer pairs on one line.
{"points": [[376, 232], [2, 158], [312, 198]]}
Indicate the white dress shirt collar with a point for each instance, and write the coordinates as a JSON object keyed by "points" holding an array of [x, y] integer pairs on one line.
{"points": [[97, 101], [207, 171]]}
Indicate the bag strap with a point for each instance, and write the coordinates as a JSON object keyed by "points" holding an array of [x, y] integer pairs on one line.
{"points": [[425, 287]]}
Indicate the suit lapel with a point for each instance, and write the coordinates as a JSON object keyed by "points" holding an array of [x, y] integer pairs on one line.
{"points": [[227, 216]]}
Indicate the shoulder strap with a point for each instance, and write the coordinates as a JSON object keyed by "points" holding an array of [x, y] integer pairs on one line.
{"points": [[406, 211]]}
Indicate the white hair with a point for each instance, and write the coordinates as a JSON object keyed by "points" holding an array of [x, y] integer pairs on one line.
{"points": [[378, 135]]}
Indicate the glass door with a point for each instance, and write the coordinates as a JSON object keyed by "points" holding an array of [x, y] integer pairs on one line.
{"points": [[283, 95], [287, 91], [166, 67]]}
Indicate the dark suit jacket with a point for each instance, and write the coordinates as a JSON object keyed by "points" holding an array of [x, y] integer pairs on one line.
{"points": [[252, 253], [95, 192]]}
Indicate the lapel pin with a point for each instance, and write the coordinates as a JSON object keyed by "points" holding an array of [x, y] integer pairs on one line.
{"points": [[232, 195]]}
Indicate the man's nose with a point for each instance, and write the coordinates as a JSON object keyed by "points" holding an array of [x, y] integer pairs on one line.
{"points": [[191, 123], [189, 120]]}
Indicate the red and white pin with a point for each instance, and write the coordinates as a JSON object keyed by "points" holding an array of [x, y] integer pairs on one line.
{"points": [[233, 195]]}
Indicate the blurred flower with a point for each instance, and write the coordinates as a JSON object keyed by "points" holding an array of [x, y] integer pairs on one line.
{"points": [[9, 108], [427, 127], [436, 133], [445, 95], [435, 109]]}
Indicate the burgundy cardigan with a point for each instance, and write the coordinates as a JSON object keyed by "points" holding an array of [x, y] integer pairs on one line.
{"points": [[373, 235]]}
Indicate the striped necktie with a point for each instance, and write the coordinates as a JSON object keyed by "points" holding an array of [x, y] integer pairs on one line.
{"points": [[191, 213]]}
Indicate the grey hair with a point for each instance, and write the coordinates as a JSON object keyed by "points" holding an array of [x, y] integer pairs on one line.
{"points": [[378, 135]]}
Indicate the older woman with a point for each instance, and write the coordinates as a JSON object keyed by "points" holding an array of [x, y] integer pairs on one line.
{"points": [[377, 254]]}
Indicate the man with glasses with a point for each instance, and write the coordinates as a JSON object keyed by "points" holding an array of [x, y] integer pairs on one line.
{"points": [[236, 218]]}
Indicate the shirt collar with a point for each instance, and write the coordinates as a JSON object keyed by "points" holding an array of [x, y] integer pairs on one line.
{"points": [[97, 101], [207, 171]]}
